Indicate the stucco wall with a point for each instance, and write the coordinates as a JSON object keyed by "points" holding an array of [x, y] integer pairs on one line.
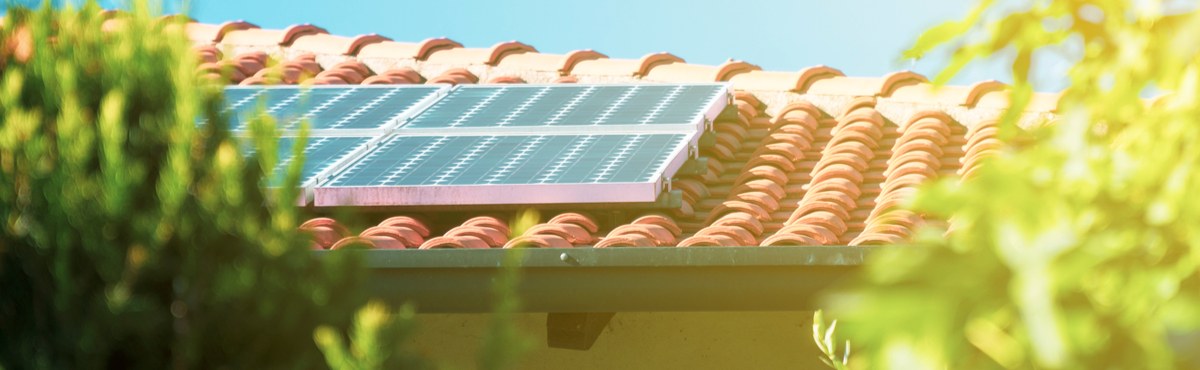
{"points": [[640, 340]]}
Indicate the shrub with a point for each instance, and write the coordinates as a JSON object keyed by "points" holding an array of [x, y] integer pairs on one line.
{"points": [[133, 237]]}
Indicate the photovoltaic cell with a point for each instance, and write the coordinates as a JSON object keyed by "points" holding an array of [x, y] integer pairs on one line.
{"points": [[568, 105], [512, 160], [321, 155], [327, 108]]}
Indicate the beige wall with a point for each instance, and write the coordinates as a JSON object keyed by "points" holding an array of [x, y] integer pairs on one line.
{"points": [[640, 340]]}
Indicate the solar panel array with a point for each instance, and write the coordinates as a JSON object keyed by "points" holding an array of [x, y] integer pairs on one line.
{"points": [[329, 107], [509, 144], [558, 105]]}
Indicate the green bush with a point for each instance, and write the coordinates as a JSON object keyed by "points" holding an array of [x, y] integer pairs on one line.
{"points": [[133, 237], [1079, 249]]}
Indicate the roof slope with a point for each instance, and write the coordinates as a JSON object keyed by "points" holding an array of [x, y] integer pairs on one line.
{"points": [[812, 157]]}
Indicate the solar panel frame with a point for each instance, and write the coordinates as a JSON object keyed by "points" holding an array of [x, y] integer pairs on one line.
{"points": [[438, 92], [328, 195], [698, 122]]}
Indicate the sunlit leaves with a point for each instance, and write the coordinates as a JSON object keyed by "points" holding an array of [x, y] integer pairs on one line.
{"points": [[1076, 247]]}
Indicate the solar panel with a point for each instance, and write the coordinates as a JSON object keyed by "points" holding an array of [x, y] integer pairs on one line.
{"points": [[511, 108], [508, 169], [322, 155], [335, 108]]}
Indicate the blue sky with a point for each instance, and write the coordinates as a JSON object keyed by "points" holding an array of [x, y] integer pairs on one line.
{"points": [[859, 37]]}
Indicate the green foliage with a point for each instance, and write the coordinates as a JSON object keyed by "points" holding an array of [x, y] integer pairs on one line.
{"points": [[133, 238], [1078, 249], [374, 341], [823, 337]]}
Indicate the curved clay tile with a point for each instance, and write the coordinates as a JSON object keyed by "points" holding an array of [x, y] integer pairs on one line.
{"points": [[493, 237], [764, 185], [431, 45], [575, 218], [746, 110], [663, 221], [325, 231], [784, 81], [812, 74], [506, 80], [455, 76], [842, 190], [658, 234], [411, 238], [691, 187], [793, 134], [788, 151], [632, 240], [489, 222], [824, 219], [895, 172], [739, 235], [406, 73], [749, 98], [538, 241], [896, 79], [387, 238], [858, 162], [652, 60], [406, 50], [821, 235], [788, 239], [560, 64], [979, 89], [720, 152], [569, 79], [574, 57], [210, 33], [409, 222], [470, 242], [709, 241], [763, 172], [500, 50], [347, 75], [293, 32], [208, 53], [683, 72], [385, 80], [741, 219], [738, 206], [875, 239], [337, 45], [833, 208], [734, 67], [572, 233], [353, 242], [784, 163], [803, 113], [762, 199], [861, 102], [935, 119], [934, 136], [838, 170]]}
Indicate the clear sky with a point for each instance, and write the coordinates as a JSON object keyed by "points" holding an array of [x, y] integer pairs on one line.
{"points": [[859, 37]]}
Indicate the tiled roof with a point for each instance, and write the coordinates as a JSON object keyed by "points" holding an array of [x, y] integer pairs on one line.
{"points": [[812, 157]]}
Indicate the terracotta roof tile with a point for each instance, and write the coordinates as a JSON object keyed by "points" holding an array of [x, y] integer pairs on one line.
{"points": [[213, 33], [323, 43], [623, 68]]}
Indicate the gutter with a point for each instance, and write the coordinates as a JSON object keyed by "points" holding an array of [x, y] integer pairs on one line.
{"points": [[588, 280]]}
